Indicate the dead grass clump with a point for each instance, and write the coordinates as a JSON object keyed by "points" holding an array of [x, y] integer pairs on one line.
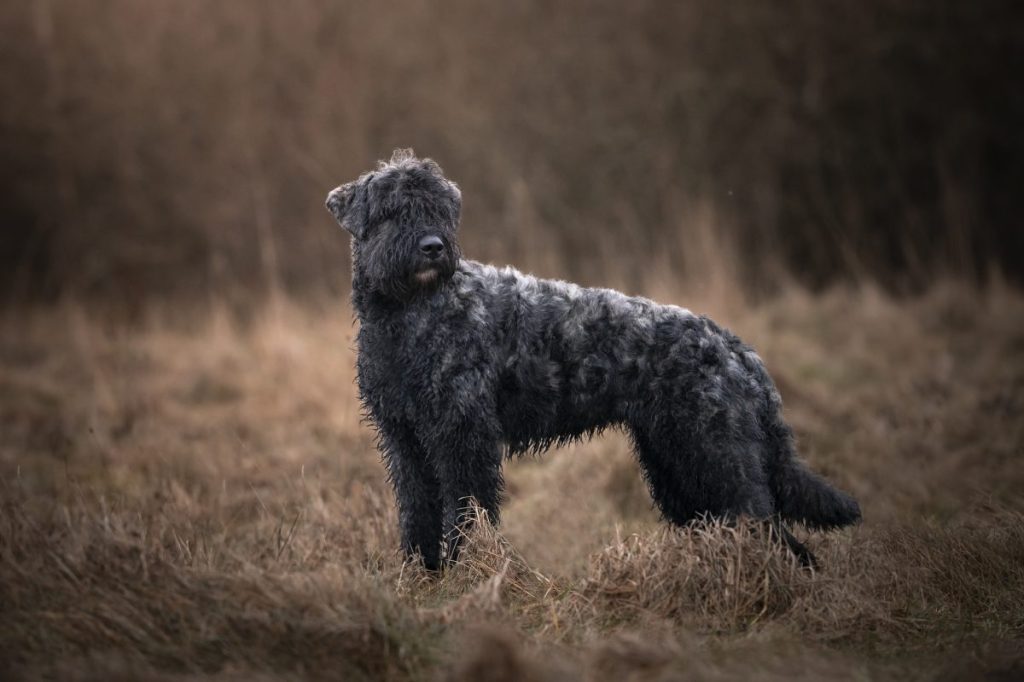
{"points": [[887, 587], [714, 576], [490, 578], [878, 586], [80, 584], [965, 578]]}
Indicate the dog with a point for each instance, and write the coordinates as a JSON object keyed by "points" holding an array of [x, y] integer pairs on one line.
{"points": [[461, 363]]}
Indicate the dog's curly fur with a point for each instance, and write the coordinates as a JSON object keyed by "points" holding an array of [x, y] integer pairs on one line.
{"points": [[460, 362]]}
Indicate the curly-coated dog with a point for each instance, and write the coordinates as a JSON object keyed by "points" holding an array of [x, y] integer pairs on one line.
{"points": [[460, 363]]}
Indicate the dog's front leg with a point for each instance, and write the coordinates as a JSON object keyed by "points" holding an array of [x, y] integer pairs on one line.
{"points": [[467, 464], [417, 493]]}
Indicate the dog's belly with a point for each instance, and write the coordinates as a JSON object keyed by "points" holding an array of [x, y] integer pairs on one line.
{"points": [[542, 402]]}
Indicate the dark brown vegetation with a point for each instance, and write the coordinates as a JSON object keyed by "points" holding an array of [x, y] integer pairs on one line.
{"points": [[185, 147]]}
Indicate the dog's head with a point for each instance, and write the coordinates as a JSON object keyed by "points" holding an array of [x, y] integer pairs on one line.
{"points": [[403, 218]]}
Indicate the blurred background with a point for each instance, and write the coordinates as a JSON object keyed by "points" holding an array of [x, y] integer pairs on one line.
{"points": [[188, 488], [181, 151]]}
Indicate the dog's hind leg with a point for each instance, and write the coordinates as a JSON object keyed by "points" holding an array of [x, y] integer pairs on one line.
{"points": [[696, 474], [710, 476], [665, 476], [803, 555], [689, 484]]}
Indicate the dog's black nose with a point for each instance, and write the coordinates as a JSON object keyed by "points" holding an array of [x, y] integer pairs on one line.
{"points": [[431, 246]]}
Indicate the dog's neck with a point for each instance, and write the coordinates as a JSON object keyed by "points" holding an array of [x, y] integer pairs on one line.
{"points": [[373, 305]]}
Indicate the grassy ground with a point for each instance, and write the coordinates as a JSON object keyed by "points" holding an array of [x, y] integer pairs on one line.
{"points": [[200, 500]]}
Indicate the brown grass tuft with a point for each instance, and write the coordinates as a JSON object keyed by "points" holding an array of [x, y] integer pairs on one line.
{"points": [[714, 576], [491, 577]]}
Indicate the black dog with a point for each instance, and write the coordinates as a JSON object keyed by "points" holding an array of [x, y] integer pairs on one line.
{"points": [[459, 361]]}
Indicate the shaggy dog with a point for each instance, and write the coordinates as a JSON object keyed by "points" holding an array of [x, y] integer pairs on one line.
{"points": [[460, 363]]}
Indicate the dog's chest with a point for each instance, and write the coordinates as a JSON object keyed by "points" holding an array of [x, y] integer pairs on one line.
{"points": [[389, 370], [404, 366]]}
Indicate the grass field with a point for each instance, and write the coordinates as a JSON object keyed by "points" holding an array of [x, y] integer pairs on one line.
{"points": [[198, 499]]}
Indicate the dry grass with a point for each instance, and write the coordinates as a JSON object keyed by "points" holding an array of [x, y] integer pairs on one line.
{"points": [[198, 499]]}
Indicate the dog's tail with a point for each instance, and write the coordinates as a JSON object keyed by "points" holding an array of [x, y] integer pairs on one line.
{"points": [[804, 497], [801, 495]]}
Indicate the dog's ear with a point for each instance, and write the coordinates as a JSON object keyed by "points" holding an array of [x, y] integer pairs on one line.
{"points": [[339, 203]]}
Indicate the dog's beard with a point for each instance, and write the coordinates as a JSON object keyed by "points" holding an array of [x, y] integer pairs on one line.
{"points": [[427, 277]]}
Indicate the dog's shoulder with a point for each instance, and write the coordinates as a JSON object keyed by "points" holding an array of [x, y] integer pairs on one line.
{"points": [[509, 285]]}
